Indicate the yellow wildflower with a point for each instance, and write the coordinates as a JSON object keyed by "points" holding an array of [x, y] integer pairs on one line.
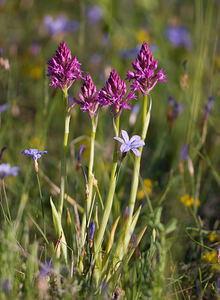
{"points": [[143, 35], [147, 186], [212, 237], [189, 200], [36, 72], [210, 257]]}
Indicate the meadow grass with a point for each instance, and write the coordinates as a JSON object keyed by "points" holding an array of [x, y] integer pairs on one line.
{"points": [[111, 219]]}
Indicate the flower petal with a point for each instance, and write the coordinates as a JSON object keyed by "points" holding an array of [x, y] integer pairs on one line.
{"points": [[125, 135], [135, 138], [119, 139], [138, 144], [136, 152]]}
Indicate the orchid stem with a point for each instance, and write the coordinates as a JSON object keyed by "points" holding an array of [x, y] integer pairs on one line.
{"points": [[109, 201], [90, 177], [63, 161]]}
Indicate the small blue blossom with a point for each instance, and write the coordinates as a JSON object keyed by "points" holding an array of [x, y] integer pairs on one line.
{"points": [[91, 233], [46, 268], [184, 153], [185, 156], [3, 107], [130, 144], [94, 14], [60, 24], [91, 230], [179, 36], [208, 107], [35, 154], [6, 169], [175, 107]]}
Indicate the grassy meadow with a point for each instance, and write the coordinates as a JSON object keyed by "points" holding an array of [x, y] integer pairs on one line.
{"points": [[98, 221]]}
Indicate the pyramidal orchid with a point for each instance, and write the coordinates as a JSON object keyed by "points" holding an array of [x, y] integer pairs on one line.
{"points": [[88, 98], [63, 69], [143, 77], [113, 94]]}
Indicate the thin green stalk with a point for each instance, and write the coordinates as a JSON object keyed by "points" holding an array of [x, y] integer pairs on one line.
{"points": [[126, 233], [108, 204], [3, 210], [63, 161], [90, 178], [6, 200], [137, 163], [42, 204]]}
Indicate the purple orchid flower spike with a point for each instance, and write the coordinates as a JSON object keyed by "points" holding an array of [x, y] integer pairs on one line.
{"points": [[88, 98], [35, 155], [63, 69], [114, 94], [130, 144], [143, 77]]}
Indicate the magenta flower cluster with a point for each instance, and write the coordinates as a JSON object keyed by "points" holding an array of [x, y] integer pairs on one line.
{"points": [[143, 77], [88, 97], [113, 94], [63, 69]]}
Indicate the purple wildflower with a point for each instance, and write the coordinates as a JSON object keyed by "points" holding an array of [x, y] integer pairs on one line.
{"points": [[179, 36], [94, 14], [7, 286], [6, 169], [143, 77], [78, 165], [1, 153], [175, 108], [60, 24], [91, 233], [0, 51], [46, 268], [114, 93], [91, 230], [88, 97], [35, 154], [63, 69], [130, 144], [184, 155], [208, 107], [3, 107]]}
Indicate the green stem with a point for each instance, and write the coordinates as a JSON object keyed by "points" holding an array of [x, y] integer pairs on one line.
{"points": [[42, 204], [108, 204], [137, 163], [6, 200], [90, 178], [63, 161], [126, 233]]}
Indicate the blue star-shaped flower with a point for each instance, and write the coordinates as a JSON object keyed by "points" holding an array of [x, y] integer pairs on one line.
{"points": [[130, 144], [6, 169], [35, 154]]}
